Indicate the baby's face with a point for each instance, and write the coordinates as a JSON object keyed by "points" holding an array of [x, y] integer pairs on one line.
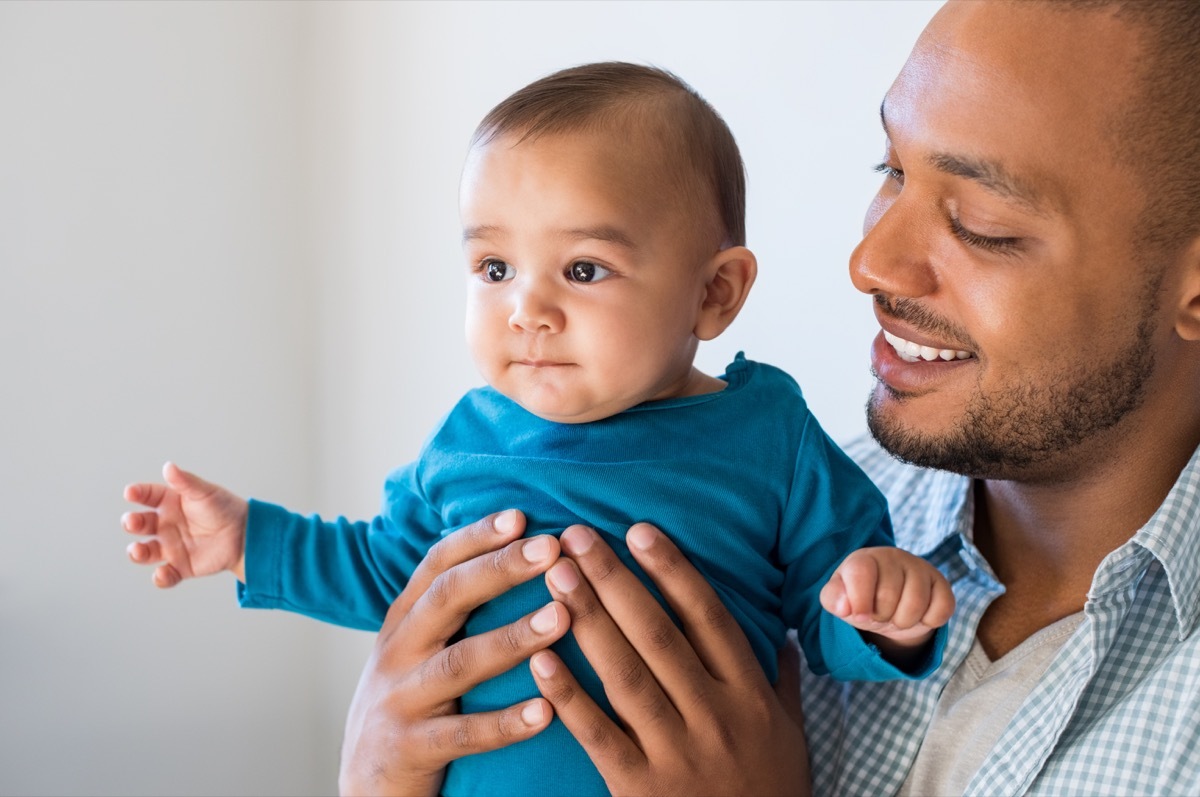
{"points": [[585, 274]]}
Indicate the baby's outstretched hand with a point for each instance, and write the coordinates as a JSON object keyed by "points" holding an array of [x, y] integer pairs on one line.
{"points": [[897, 598], [193, 528]]}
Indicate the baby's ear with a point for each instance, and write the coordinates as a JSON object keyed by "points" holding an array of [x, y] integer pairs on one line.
{"points": [[1187, 321], [731, 272]]}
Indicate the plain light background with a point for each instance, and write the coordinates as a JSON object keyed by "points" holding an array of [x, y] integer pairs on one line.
{"points": [[229, 237]]}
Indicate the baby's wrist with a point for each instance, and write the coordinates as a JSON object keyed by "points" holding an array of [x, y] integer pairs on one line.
{"points": [[904, 652]]}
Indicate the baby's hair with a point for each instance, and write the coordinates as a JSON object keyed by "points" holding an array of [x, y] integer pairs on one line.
{"points": [[642, 99]]}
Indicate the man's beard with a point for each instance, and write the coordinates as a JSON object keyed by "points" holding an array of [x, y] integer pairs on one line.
{"points": [[1030, 425]]}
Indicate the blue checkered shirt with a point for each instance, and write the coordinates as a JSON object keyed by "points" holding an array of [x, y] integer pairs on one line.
{"points": [[1116, 713]]}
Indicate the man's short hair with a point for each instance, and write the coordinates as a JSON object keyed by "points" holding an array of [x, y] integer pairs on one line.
{"points": [[644, 100], [1157, 133]]}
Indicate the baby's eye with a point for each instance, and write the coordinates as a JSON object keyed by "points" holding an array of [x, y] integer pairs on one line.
{"points": [[497, 270], [586, 271]]}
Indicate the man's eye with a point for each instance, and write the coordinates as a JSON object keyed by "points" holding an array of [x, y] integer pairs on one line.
{"points": [[987, 242], [586, 271], [497, 271], [891, 172]]}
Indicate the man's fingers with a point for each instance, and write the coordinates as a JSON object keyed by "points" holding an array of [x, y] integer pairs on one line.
{"points": [[609, 747], [712, 632], [630, 684], [448, 674], [460, 546], [455, 593], [787, 688], [459, 735], [639, 616]]}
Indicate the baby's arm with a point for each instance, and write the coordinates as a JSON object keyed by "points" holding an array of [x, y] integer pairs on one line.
{"points": [[895, 598], [193, 528]]}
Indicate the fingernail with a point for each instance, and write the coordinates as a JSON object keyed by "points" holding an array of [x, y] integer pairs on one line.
{"points": [[505, 522], [537, 549], [543, 664], [533, 714], [544, 621], [641, 536], [578, 540], [563, 577]]}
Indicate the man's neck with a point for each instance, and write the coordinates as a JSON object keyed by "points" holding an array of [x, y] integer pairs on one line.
{"points": [[1046, 539]]}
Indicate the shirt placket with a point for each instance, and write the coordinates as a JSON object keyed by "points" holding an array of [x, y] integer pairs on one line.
{"points": [[1022, 750]]}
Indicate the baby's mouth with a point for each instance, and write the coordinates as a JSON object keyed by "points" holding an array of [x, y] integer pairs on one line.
{"points": [[914, 352]]}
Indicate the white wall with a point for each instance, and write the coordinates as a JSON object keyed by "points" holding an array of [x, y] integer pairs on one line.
{"points": [[228, 237]]}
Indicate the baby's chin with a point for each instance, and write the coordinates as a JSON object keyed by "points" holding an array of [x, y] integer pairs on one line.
{"points": [[557, 411], [557, 415]]}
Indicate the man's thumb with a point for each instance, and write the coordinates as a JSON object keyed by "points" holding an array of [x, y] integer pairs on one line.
{"points": [[787, 688]]}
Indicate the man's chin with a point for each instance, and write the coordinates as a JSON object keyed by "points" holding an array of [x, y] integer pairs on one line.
{"points": [[955, 450]]}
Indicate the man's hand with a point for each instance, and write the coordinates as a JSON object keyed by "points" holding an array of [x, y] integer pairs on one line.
{"points": [[895, 597], [403, 726], [697, 714], [193, 528]]}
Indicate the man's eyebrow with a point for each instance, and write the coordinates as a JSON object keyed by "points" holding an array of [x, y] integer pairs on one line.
{"points": [[988, 174], [992, 177]]}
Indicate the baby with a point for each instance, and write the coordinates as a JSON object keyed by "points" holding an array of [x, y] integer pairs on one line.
{"points": [[603, 226]]}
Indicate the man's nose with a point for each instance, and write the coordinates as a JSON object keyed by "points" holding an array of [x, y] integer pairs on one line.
{"points": [[895, 256]]}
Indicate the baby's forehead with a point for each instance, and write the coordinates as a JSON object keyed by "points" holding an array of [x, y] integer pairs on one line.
{"points": [[647, 159]]}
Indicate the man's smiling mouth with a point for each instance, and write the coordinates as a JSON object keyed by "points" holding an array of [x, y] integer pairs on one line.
{"points": [[913, 352]]}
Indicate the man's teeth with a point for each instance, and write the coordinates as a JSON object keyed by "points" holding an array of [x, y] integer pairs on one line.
{"points": [[911, 352]]}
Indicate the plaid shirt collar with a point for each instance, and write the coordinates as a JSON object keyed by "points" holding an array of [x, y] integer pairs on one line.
{"points": [[940, 526]]}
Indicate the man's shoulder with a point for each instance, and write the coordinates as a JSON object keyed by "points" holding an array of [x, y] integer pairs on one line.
{"points": [[925, 504], [886, 471]]}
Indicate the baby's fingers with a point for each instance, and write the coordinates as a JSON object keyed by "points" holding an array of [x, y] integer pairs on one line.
{"points": [[941, 603], [140, 522], [145, 552], [146, 493], [914, 601], [166, 576], [872, 590], [833, 597]]}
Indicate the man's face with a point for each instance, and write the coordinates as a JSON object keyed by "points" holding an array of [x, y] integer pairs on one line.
{"points": [[585, 274], [1018, 322]]}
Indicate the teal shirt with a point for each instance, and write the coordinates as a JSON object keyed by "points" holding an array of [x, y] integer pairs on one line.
{"points": [[743, 480]]}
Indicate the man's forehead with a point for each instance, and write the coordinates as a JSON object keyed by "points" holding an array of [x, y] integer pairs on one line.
{"points": [[990, 173], [1007, 94]]}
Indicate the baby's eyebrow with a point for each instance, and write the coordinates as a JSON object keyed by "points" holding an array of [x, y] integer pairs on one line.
{"points": [[603, 232], [480, 231]]}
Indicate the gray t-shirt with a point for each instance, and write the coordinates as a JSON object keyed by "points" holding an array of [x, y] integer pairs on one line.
{"points": [[975, 708]]}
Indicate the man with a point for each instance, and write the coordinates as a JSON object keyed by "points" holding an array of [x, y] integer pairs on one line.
{"points": [[1040, 221]]}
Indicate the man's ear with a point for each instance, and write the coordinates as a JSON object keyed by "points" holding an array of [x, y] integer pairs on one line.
{"points": [[730, 273], [1187, 321]]}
